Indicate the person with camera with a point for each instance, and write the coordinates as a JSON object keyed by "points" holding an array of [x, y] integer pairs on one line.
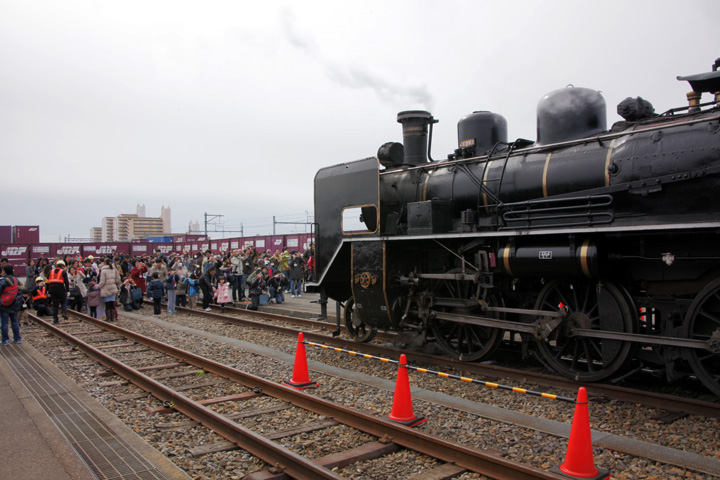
{"points": [[275, 286], [257, 288]]}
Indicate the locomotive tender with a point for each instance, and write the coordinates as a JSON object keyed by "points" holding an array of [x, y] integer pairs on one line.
{"points": [[597, 250]]}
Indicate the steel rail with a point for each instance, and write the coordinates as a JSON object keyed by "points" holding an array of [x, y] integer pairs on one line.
{"points": [[465, 457], [659, 401], [271, 452]]}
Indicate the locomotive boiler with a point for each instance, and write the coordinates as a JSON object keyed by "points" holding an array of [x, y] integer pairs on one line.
{"points": [[597, 250]]}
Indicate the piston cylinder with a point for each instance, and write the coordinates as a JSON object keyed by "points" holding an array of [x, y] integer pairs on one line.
{"points": [[551, 260]]}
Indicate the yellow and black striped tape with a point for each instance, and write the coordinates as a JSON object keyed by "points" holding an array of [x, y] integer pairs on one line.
{"points": [[550, 396]]}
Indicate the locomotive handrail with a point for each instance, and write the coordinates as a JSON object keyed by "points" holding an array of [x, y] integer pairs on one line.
{"points": [[569, 143]]}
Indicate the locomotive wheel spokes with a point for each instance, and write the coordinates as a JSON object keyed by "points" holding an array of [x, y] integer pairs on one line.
{"points": [[460, 340], [589, 306], [701, 323], [356, 327]]}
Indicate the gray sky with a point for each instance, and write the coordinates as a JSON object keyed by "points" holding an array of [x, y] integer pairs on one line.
{"points": [[231, 107]]}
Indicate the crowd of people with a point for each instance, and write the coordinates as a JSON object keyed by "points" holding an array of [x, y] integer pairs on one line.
{"points": [[99, 286]]}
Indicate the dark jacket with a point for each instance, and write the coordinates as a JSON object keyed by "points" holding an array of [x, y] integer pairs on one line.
{"points": [[277, 282], [206, 281], [156, 288], [257, 286], [171, 281], [296, 268]]}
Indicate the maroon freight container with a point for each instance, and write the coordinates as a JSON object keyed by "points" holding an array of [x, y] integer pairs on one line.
{"points": [[99, 249], [17, 255], [90, 249], [292, 242], [224, 245], [149, 248], [305, 239], [278, 242], [235, 243], [140, 249], [263, 242], [6, 234], [164, 248], [62, 249], [40, 250], [26, 234]]}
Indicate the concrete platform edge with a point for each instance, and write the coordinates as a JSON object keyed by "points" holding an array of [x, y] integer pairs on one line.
{"points": [[57, 440]]}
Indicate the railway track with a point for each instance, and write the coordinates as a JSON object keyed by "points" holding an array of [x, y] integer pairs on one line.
{"points": [[388, 436], [318, 331]]}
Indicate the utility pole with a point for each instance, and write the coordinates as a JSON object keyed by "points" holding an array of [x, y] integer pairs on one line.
{"points": [[212, 217]]}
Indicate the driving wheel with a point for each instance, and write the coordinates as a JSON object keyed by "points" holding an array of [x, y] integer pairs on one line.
{"points": [[590, 306], [702, 322], [464, 341], [359, 330]]}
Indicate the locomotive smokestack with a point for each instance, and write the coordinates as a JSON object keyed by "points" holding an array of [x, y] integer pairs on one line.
{"points": [[415, 135]]}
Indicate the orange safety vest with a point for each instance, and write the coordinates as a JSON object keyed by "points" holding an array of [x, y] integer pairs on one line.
{"points": [[56, 276], [40, 294]]}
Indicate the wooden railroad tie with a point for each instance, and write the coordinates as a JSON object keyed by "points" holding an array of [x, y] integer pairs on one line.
{"points": [[207, 401], [223, 446]]}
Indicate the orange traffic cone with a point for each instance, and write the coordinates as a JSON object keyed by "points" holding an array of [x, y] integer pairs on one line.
{"points": [[579, 457], [402, 410], [300, 377]]}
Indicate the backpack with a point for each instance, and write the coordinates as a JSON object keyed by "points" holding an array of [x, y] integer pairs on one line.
{"points": [[8, 295]]}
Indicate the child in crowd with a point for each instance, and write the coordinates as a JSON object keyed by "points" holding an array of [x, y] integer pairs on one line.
{"points": [[93, 298], [171, 283], [125, 296], [192, 286], [222, 293], [156, 290]]}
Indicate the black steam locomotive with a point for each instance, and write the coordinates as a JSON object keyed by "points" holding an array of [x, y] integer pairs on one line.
{"points": [[596, 250]]}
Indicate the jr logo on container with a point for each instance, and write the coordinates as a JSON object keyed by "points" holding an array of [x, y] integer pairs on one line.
{"points": [[14, 251]]}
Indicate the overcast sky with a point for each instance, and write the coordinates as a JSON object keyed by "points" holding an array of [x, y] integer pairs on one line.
{"points": [[231, 107]]}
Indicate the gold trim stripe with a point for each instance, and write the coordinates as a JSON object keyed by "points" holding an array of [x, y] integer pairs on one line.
{"points": [[506, 258], [584, 258], [484, 182], [545, 174], [427, 181], [607, 162]]}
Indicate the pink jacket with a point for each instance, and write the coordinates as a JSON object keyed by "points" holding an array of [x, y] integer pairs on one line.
{"points": [[222, 293]]}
